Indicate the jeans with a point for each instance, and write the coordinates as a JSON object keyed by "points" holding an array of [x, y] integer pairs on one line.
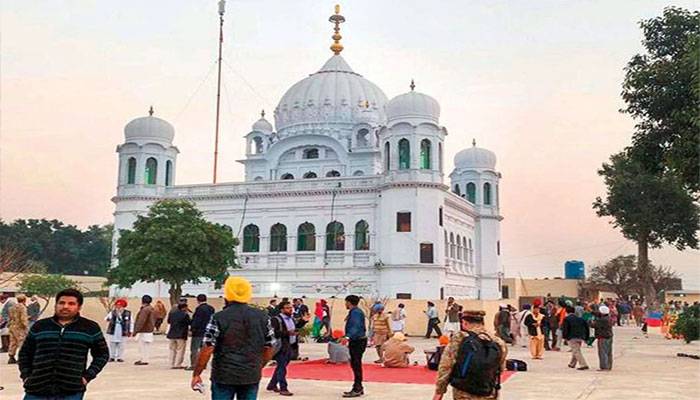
{"points": [[76, 396], [234, 392], [605, 353], [280, 374], [357, 349], [195, 347], [433, 323]]}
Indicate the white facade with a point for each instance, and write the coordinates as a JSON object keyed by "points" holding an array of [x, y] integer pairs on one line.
{"points": [[346, 160]]}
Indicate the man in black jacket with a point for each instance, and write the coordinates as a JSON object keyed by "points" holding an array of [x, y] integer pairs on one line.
{"points": [[286, 332], [200, 319], [576, 332], [179, 321], [53, 358]]}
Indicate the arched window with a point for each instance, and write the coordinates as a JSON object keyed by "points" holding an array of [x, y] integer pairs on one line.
{"points": [[358, 173], [471, 252], [251, 239], [310, 175], [387, 156], [333, 173], [131, 171], [487, 193], [258, 145], [335, 236], [310, 154], [287, 176], [452, 245], [465, 249], [459, 247], [471, 192], [456, 190], [362, 138], [306, 237], [404, 154], [168, 173], [151, 171], [362, 235], [425, 148], [278, 237]]}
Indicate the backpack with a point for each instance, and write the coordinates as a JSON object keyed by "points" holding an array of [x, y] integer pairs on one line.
{"points": [[516, 365], [477, 369]]}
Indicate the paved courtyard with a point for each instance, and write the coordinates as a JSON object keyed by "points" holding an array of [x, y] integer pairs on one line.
{"points": [[644, 368]]}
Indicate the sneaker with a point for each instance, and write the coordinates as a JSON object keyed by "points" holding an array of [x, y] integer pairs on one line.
{"points": [[111, 360], [189, 369], [378, 361], [285, 392], [12, 360], [120, 360], [582, 368], [272, 389], [353, 394], [572, 366]]}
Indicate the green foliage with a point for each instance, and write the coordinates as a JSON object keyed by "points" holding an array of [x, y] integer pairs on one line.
{"points": [[174, 243], [688, 324], [45, 286], [63, 249], [623, 276], [646, 206], [662, 92]]}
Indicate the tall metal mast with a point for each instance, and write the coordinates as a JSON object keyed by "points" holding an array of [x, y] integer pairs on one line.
{"points": [[222, 5]]}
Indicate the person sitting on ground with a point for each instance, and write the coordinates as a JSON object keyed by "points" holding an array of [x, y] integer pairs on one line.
{"points": [[338, 352], [396, 351], [433, 356]]}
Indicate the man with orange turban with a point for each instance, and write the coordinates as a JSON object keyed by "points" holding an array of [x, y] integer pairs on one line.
{"points": [[241, 339]]}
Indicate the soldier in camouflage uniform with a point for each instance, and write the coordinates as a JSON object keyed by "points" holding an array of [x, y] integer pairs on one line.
{"points": [[472, 321], [18, 326]]}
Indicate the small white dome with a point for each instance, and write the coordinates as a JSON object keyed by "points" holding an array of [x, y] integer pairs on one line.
{"points": [[475, 157], [413, 105], [263, 125], [148, 129]]}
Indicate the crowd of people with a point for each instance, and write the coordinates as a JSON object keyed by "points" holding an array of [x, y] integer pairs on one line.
{"points": [[242, 338]]}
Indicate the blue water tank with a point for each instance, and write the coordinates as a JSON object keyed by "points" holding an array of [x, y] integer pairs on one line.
{"points": [[574, 270]]}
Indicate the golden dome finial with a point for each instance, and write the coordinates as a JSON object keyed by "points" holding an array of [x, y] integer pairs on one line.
{"points": [[337, 19]]}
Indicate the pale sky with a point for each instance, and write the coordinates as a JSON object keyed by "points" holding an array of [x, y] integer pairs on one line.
{"points": [[537, 82]]}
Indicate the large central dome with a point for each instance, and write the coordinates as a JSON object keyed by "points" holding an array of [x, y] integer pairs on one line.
{"points": [[334, 94]]}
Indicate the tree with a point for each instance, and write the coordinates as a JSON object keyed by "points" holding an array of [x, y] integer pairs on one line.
{"points": [[688, 324], [617, 275], [649, 208], [175, 244], [623, 276], [662, 92], [45, 286], [61, 248]]}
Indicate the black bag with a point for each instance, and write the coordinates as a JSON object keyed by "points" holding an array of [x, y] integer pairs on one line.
{"points": [[477, 369], [434, 360], [516, 365]]}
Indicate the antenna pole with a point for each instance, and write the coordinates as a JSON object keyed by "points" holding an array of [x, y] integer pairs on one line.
{"points": [[222, 4]]}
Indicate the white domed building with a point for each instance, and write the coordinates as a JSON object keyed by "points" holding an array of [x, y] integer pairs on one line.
{"points": [[346, 193]]}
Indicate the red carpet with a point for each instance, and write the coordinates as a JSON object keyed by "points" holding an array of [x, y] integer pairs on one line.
{"points": [[318, 370]]}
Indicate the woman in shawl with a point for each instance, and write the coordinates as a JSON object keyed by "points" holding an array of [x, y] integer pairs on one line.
{"points": [[318, 316]]}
